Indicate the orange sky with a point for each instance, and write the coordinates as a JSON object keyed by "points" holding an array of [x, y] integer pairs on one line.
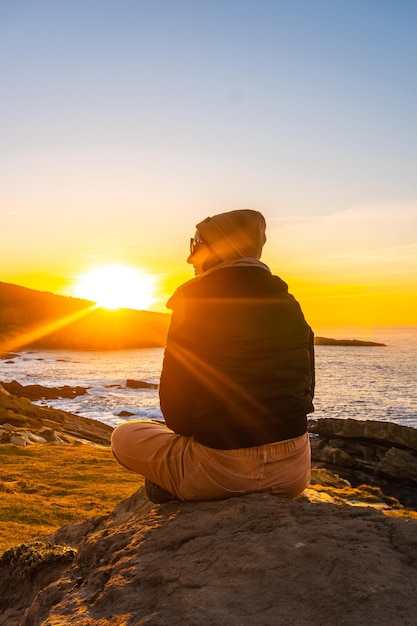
{"points": [[123, 128], [346, 270]]}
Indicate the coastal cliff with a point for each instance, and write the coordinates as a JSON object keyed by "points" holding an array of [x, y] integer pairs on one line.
{"points": [[42, 320]]}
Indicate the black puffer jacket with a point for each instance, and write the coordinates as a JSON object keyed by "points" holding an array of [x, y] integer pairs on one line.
{"points": [[238, 369]]}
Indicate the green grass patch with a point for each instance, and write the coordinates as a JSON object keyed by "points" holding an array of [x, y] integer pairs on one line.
{"points": [[46, 486]]}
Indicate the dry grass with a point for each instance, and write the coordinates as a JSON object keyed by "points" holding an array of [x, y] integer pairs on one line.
{"points": [[43, 487]]}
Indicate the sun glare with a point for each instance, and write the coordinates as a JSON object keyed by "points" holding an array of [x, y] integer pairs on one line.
{"points": [[117, 286]]}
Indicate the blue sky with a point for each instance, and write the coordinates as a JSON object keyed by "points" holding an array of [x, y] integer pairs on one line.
{"points": [[124, 123]]}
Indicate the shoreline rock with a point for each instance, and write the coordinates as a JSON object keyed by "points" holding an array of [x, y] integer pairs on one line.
{"points": [[20, 416], [140, 384], [39, 392], [380, 454], [9, 356]]}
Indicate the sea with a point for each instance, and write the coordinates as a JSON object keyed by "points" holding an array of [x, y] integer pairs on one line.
{"points": [[359, 382]]}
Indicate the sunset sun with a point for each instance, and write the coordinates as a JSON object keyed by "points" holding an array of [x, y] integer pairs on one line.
{"points": [[116, 286]]}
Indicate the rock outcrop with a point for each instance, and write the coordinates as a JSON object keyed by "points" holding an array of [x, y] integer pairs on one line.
{"points": [[22, 419], [140, 384], [257, 559], [371, 452], [40, 392]]}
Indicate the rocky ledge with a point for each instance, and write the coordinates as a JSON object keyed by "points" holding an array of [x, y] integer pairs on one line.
{"points": [[257, 559], [23, 423], [375, 453], [39, 392]]}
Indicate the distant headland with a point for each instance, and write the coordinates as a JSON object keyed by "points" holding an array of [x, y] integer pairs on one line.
{"points": [[326, 341], [42, 320]]}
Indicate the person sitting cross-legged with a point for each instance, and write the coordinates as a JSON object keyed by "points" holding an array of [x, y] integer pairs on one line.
{"points": [[237, 379]]}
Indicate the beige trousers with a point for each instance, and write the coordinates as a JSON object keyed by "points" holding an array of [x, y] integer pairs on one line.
{"points": [[192, 471]]}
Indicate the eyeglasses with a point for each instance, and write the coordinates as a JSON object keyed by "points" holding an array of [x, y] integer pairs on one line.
{"points": [[196, 241]]}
